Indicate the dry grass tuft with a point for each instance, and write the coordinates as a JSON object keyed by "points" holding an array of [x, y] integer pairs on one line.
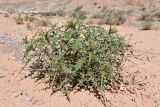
{"points": [[19, 19]]}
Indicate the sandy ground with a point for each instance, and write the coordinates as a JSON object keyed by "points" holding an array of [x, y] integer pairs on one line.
{"points": [[142, 74]]}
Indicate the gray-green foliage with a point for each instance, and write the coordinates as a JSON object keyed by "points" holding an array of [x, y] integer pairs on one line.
{"points": [[75, 56], [157, 14], [147, 25], [19, 20], [79, 13]]}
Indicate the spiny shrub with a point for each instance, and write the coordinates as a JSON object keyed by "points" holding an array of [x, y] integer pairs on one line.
{"points": [[147, 25], [76, 56]]}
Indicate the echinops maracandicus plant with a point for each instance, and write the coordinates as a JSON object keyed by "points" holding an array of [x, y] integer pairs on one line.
{"points": [[75, 56]]}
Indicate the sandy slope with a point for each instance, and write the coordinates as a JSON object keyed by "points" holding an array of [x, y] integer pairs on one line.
{"points": [[91, 6], [143, 75]]}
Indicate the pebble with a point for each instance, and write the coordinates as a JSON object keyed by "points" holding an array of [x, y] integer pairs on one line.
{"points": [[16, 94], [29, 98]]}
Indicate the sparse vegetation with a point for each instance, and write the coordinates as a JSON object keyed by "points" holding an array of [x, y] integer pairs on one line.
{"points": [[113, 30], [157, 14], [79, 13], [119, 20], [19, 20], [30, 18], [147, 25], [42, 22], [111, 18], [60, 13], [98, 15], [26, 17], [28, 26], [145, 17], [102, 21], [114, 20], [90, 21], [75, 57], [6, 15], [130, 2]]}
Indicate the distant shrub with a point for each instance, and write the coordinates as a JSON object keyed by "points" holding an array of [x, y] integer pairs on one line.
{"points": [[90, 21], [19, 20], [79, 14], [6, 15], [10, 10], [145, 17], [101, 21], [42, 22], [30, 18], [113, 20], [60, 13], [98, 15], [76, 56], [147, 25], [108, 16], [119, 20], [26, 17], [157, 14], [130, 2], [28, 26], [113, 30]]}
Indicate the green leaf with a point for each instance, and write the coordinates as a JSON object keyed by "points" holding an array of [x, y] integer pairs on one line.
{"points": [[77, 45], [102, 81], [25, 40], [66, 70], [79, 64], [90, 57]]}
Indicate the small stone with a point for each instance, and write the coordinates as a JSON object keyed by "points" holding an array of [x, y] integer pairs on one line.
{"points": [[122, 88], [29, 98], [38, 102], [2, 76], [18, 94]]}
